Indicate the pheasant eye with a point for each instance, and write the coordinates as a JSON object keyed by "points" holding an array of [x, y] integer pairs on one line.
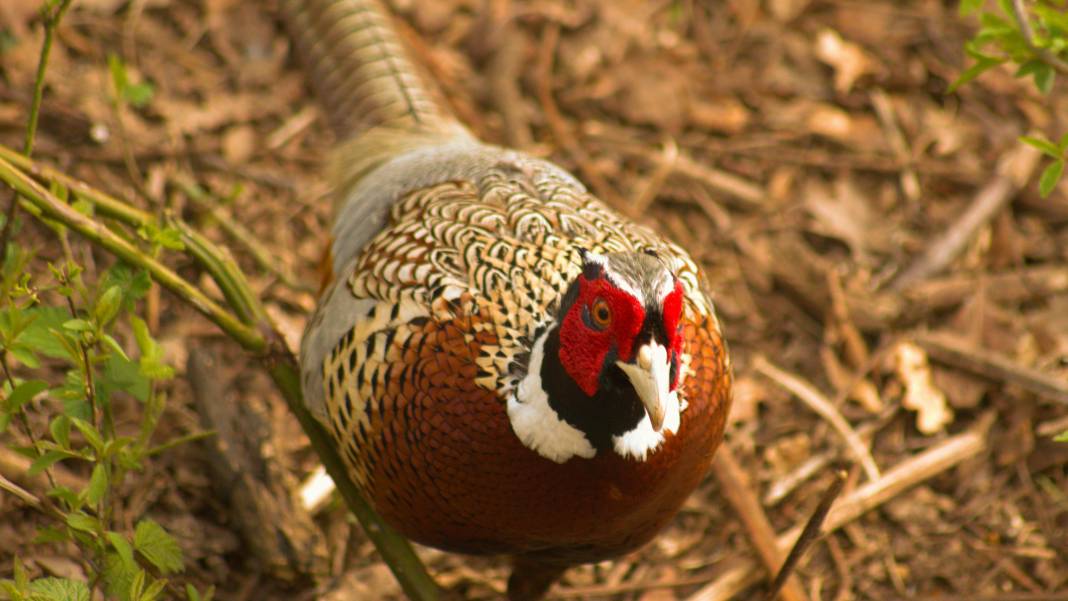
{"points": [[600, 314]]}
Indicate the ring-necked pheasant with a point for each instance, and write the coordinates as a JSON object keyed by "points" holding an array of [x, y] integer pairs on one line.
{"points": [[506, 364]]}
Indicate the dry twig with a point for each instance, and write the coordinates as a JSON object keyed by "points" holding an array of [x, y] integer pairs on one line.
{"points": [[994, 366], [818, 403], [735, 486], [808, 535], [898, 479], [1013, 172]]}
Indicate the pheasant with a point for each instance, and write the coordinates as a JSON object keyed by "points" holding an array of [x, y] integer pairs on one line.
{"points": [[506, 365]]}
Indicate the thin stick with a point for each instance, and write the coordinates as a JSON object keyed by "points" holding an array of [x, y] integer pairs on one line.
{"points": [[818, 403], [735, 486], [809, 534], [896, 480], [994, 366], [1013, 171]]}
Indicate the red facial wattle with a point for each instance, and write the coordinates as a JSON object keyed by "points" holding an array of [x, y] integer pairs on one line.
{"points": [[672, 309], [583, 349]]}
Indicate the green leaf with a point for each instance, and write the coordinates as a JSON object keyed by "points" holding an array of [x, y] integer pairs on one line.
{"points": [[22, 581], [153, 590], [46, 461], [981, 66], [91, 434], [123, 548], [44, 333], [84, 207], [78, 325], [1047, 147], [1044, 76], [108, 305], [140, 94], [119, 576], [158, 547], [1051, 175], [51, 534], [98, 484], [60, 589], [122, 374], [60, 430], [24, 392], [133, 282], [152, 365], [968, 7], [1062, 437], [114, 345], [68, 496], [83, 522]]}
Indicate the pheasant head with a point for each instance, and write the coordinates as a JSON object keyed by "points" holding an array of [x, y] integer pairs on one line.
{"points": [[605, 376]]}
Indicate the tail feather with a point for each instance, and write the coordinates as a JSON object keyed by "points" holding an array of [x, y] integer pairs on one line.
{"points": [[361, 71]]}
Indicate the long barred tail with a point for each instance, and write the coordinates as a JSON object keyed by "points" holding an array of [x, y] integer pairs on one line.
{"points": [[360, 69]]}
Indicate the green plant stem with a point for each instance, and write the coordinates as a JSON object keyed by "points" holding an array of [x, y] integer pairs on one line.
{"points": [[394, 548], [217, 262], [250, 328], [51, 22], [51, 207]]}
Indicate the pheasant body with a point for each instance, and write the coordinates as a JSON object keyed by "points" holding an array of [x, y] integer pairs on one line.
{"points": [[506, 364]]}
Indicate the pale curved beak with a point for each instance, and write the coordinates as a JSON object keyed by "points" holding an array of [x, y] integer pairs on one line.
{"points": [[650, 374]]}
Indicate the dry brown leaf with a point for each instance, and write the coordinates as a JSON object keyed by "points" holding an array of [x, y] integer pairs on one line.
{"points": [[844, 214]]}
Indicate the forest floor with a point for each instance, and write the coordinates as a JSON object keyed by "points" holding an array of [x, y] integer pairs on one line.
{"points": [[808, 152]]}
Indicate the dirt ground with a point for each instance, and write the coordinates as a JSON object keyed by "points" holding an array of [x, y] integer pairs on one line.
{"points": [[808, 152]]}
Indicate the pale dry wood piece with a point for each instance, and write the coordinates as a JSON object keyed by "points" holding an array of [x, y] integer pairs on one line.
{"points": [[952, 350], [316, 490], [274, 524], [808, 394], [1012, 173], [734, 484], [896, 480]]}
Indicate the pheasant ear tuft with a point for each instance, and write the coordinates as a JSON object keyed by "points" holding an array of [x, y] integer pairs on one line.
{"points": [[592, 264]]}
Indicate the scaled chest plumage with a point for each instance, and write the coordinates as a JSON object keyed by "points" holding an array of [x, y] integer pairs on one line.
{"points": [[445, 305]]}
